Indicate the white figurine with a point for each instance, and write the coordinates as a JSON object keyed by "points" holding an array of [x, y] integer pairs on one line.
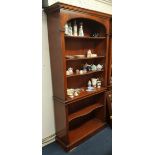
{"points": [[89, 84], [66, 29], [70, 29], [89, 53], [70, 70], [75, 28], [81, 30]]}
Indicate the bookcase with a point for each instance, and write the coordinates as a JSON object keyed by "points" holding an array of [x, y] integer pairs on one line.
{"points": [[81, 116]]}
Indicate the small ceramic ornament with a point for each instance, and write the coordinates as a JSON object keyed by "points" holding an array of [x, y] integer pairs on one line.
{"points": [[67, 72], [98, 84], [66, 29], [93, 67], [89, 84], [81, 71], [94, 82], [89, 53], [76, 94], [70, 70], [93, 55], [77, 71], [70, 29], [75, 28], [81, 30], [85, 71], [99, 67]]}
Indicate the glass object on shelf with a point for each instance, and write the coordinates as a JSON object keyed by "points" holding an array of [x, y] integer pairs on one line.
{"points": [[75, 28], [81, 33], [95, 35]]}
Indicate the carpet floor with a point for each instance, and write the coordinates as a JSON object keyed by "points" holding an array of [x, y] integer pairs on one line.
{"points": [[100, 144]]}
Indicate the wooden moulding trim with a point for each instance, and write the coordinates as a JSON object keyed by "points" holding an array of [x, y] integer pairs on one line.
{"points": [[58, 99], [61, 143], [58, 6]]}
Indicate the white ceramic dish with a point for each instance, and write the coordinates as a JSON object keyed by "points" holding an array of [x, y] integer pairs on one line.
{"points": [[79, 56]]}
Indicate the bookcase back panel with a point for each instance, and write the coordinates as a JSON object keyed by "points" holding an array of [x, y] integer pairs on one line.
{"points": [[83, 80]]}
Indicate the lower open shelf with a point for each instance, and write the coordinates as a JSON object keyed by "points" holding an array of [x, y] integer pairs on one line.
{"points": [[84, 130], [84, 111]]}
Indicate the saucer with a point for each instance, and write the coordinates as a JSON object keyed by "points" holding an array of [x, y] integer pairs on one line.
{"points": [[90, 89]]}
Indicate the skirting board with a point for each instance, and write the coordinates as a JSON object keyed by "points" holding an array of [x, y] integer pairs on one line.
{"points": [[48, 140]]}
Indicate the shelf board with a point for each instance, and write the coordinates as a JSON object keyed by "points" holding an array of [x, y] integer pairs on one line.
{"points": [[85, 37], [85, 94], [90, 72], [74, 59], [85, 130], [84, 111]]}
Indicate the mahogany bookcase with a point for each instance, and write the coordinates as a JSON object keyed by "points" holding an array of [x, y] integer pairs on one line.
{"points": [[77, 118]]}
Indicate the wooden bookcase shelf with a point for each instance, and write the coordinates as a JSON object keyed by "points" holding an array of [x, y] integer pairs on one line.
{"points": [[90, 38], [86, 94], [77, 118], [90, 72], [85, 111], [85, 130], [74, 59]]}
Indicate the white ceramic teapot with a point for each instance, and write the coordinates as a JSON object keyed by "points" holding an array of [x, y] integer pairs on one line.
{"points": [[93, 67], [99, 67]]}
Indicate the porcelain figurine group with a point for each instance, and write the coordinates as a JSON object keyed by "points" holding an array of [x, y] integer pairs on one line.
{"points": [[86, 68], [74, 92], [90, 54], [93, 83], [73, 31]]}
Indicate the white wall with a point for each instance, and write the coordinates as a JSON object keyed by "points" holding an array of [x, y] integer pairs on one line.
{"points": [[97, 5], [48, 125]]}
